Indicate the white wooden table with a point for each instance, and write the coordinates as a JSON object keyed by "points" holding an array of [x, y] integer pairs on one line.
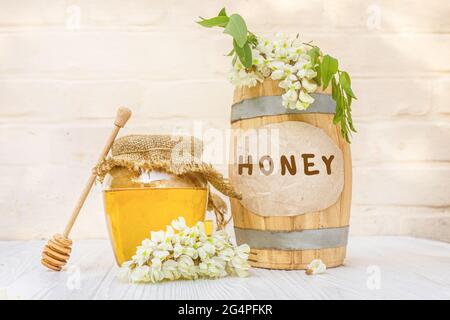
{"points": [[376, 268]]}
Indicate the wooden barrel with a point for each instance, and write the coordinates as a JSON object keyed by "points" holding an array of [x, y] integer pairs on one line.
{"points": [[271, 216]]}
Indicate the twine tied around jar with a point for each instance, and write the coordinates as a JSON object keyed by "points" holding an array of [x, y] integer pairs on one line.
{"points": [[177, 155]]}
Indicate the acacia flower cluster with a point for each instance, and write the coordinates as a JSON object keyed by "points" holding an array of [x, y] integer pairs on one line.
{"points": [[182, 252], [299, 67], [283, 59]]}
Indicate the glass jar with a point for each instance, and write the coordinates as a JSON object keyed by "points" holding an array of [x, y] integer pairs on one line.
{"points": [[135, 205]]}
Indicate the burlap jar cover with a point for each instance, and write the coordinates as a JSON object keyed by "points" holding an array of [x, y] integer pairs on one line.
{"points": [[177, 155]]}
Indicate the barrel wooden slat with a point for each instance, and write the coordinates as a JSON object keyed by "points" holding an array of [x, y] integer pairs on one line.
{"points": [[291, 260], [267, 88], [335, 216]]}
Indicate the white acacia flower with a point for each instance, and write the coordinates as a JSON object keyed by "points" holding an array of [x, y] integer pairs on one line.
{"points": [[219, 262], [301, 105], [179, 224], [144, 251], [191, 252], [148, 244], [212, 268], [206, 251], [304, 67], [281, 70], [257, 58], [221, 235], [242, 251], [303, 61], [291, 95], [157, 236], [253, 79], [265, 71], [289, 98], [201, 228], [265, 46], [156, 274], [170, 232], [277, 69], [203, 269], [297, 50], [187, 268], [218, 242], [226, 254], [187, 253], [240, 266], [305, 97], [141, 257], [166, 245], [291, 82], [281, 44], [161, 254], [140, 274], [309, 85], [188, 237], [203, 237], [170, 270], [288, 104], [306, 73], [240, 76], [317, 266], [179, 250], [244, 78], [262, 65]]}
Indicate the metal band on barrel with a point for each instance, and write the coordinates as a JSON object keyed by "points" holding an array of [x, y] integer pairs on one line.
{"points": [[272, 106], [293, 240]]}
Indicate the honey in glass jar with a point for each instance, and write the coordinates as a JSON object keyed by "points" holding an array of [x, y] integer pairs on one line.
{"points": [[150, 180], [135, 206]]}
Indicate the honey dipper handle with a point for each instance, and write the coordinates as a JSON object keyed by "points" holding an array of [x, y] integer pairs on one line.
{"points": [[123, 114]]}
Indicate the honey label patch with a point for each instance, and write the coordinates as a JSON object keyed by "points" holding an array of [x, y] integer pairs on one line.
{"points": [[287, 168]]}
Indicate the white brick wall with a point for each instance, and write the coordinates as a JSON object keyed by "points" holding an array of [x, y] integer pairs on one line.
{"points": [[61, 81]]}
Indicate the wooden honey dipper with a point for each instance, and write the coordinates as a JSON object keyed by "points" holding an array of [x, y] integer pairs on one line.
{"points": [[57, 251]]}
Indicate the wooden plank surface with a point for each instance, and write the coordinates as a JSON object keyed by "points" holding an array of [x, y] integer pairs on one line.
{"points": [[406, 268]]}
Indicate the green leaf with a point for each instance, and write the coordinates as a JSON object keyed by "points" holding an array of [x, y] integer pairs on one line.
{"points": [[345, 82], [334, 89], [244, 54], [329, 67], [220, 21], [314, 54], [350, 121], [344, 129], [222, 12], [318, 78], [344, 132], [251, 39], [237, 28], [229, 54], [337, 117], [341, 110], [335, 120]]}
